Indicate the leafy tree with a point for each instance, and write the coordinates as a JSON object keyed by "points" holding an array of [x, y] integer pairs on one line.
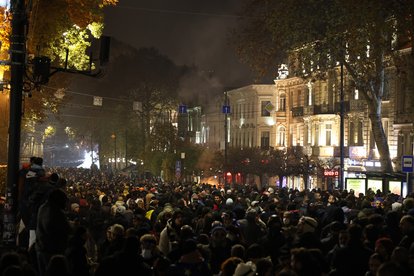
{"points": [[318, 35], [278, 164], [68, 25]]}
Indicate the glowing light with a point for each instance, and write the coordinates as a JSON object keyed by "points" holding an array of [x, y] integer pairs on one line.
{"points": [[5, 4], [50, 131], [87, 161]]}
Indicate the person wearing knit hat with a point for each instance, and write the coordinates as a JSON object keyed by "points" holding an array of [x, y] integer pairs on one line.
{"points": [[229, 202], [307, 224]]}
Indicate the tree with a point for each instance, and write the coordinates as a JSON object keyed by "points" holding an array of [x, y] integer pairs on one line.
{"points": [[152, 83], [315, 36]]}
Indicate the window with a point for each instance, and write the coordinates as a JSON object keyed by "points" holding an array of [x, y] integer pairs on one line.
{"points": [[328, 129], [356, 134], [265, 111], [282, 102], [309, 94], [360, 133], [265, 139], [281, 137]]}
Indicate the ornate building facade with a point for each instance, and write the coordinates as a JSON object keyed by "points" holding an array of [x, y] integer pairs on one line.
{"points": [[306, 113]]}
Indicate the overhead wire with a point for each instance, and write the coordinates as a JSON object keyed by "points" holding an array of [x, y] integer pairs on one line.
{"points": [[193, 13]]}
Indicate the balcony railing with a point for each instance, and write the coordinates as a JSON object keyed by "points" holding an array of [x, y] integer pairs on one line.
{"points": [[297, 111], [356, 105]]}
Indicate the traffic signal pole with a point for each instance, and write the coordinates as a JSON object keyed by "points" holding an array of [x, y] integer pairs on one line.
{"points": [[17, 67]]}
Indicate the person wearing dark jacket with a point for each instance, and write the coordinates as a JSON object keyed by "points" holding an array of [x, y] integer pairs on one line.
{"points": [[353, 258], [407, 229], [53, 229], [125, 261], [76, 253]]}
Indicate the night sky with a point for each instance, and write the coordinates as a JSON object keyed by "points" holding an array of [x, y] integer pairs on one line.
{"points": [[189, 32]]}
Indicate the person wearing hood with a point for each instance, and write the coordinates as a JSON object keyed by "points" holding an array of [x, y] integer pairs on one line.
{"points": [[53, 229], [191, 261], [149, 250], [171, 232]]}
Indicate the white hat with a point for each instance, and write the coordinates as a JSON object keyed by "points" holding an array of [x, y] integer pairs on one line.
{"points": [[270, 190], [120, 209], [245, 269], [229, 201], [396, 206]]}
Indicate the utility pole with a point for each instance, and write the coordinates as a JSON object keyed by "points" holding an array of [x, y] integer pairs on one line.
{"points": [[18, 57], [226, 111], [342, 130]]}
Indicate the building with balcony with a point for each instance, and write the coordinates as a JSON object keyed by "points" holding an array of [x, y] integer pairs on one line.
{"points": [[306, 113]]}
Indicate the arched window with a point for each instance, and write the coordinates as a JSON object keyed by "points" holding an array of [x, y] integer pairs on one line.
{"points": [[281, 136]]}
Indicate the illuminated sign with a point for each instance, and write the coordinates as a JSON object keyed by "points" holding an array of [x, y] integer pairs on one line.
{"points": [[375, 184], [330, 173], [407, 163], [395, 187], [357, 152], [356, 184]]}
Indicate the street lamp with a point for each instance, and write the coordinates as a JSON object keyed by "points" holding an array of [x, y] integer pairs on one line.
{"points": [[113, 136], [226, 111], [182, 164]]}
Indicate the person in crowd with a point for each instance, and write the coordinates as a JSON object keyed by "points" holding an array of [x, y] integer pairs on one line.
{"points": [[116, 239], [356, 254], [304, 263], [149, 250], [306, 233], [374, 263], [219, 247], [228, 267], [245, 269], [76, 253], [53, 229], [171, 232], [282, 227], [191, 261], [252, 228], [407, 230], [125, 261], [58, 266]]}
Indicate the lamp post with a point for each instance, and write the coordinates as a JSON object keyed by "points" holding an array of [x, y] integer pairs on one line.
{"points": [[182, 165], [113, 136], [18, 59], [342, 130], [226, 111]]}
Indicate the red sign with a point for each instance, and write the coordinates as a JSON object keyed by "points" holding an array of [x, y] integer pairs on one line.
{"points": [[330, 173]]}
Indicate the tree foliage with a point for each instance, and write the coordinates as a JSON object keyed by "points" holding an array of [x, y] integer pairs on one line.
{"points": [[316, 36], [68, 25]]}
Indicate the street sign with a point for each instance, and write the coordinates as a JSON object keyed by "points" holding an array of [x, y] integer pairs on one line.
{"points": [[178, 168], [331, 173], [182, 109], [407, 163], [226, 109]]}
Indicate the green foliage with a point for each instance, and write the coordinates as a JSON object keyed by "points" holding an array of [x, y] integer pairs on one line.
{"points": [[274, 162], [68, 25]]}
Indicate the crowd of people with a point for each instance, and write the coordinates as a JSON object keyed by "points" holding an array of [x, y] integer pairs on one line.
{"points": [[91, 223]]}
